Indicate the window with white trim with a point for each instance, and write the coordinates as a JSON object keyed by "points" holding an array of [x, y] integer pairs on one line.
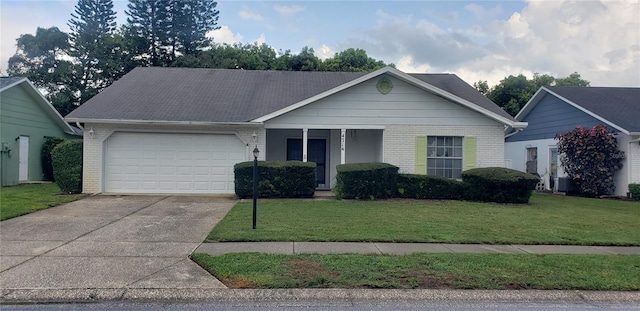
{"points": [[444, 156]]}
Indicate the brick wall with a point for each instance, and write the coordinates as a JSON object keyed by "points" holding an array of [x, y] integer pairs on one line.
{"points": [[93, 150], [399, 143]]}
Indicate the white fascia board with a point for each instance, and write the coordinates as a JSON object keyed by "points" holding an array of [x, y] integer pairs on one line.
{"points": [[400, 75], [116, 121], [13, 84], [322, 95], [324, 127], [619, 128]]}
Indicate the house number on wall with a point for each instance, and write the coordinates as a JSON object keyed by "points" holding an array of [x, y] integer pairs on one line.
{"points": [[342, 137]]}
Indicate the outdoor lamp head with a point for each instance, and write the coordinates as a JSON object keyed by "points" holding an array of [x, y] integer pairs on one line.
{"points": [[256, 152]]}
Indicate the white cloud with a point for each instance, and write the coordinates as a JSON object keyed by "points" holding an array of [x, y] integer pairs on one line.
{"points": [[599, 40], [224, 35], [323, 52], [262, 39], [246, 14], [407, 64], [287, 11]]}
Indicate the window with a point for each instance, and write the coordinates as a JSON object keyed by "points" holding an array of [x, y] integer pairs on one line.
{"points": [[444, 156], [532, 160]]}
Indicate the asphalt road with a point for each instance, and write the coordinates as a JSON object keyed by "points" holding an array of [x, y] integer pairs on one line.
{"points": [[315, 305]]}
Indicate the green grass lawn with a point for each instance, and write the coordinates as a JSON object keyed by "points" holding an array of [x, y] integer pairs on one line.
{"points": [[460, 271], [547, 219], [24, 199]]}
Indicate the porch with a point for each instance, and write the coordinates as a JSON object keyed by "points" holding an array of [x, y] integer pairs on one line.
{"points": [[326, 147]]}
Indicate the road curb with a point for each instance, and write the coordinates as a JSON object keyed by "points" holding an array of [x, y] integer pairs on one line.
{"points": [[26, 296]]}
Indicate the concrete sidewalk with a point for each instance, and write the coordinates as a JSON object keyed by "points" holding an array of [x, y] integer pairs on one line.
{"points": [[290, 248]]}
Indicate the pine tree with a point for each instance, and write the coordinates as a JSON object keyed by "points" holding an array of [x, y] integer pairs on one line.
{"points": [[92, 24], [149, 25], [166, 28]]}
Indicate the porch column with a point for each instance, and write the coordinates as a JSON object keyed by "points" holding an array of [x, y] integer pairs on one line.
{"points": [[343, 139], [304, 144]]}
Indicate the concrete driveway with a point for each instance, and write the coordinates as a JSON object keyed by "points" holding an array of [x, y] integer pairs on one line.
{"points": [[110, 242]]}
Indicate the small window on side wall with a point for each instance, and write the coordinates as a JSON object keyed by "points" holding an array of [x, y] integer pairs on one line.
{"points": [[532, 160]]}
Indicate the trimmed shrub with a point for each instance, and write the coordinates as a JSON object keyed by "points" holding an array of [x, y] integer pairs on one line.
{"points": [[276, 179], [45, 155], [498, 184], [634, 189], [414, 186], [366, 181], [66, 158]]}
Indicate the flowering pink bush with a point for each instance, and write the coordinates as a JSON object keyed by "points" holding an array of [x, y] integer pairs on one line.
{"points": [[590, 157]]}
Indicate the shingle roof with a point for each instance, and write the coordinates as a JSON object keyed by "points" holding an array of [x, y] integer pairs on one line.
{"points": [[619, 105], [228, 95], [7, 81]]}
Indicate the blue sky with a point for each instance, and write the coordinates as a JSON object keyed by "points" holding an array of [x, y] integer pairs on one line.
{"points": [[477, 40]]}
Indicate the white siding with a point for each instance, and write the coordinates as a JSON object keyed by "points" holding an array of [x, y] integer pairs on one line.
{"points": [[399, 143], [364, 105], [516, 153]]}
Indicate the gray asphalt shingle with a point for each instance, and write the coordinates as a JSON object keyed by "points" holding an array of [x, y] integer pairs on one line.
{"points": [[6, 81], [227, 95]]}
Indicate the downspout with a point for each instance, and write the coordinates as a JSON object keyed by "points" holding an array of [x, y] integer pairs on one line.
{"points": [[629, 168], [516, 132], [80, 126]]}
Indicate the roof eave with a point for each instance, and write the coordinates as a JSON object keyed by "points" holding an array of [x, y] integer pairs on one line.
{"points": [[163, 122]]}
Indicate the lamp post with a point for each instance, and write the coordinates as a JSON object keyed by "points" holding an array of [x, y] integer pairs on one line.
{"points": [[256, 152]]}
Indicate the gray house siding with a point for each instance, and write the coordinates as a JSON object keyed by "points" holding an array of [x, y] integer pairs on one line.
{"points": [[551, 116]]}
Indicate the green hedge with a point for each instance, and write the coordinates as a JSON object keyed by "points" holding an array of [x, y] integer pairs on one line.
{"points": [[366, 181], [45, 155], [497, 184], [634, 189], [66, 159], [414, 186], [276, 179]]}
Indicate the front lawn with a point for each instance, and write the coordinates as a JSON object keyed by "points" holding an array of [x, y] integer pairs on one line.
{"points": [[460, 271], [24, 199], [547, 219]]}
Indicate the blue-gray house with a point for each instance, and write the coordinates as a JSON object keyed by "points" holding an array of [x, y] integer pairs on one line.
{"points": [[556, 109]]}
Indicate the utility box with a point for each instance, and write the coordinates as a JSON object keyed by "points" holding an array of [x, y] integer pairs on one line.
{"points": [[566, 184]]}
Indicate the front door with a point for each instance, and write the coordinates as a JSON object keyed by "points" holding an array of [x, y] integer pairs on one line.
{"points": [[23, 159], [316, 152]]}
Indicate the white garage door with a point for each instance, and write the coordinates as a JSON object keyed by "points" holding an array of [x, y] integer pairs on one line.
{"points": [[171, 163]]}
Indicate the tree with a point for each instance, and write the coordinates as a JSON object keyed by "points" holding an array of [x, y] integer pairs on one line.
{"points": [[45, 61], [190, 22], [482, 87], [573, 79], [92, 27], [164, 29], [148, 25], [513, 92], [352, 60], [306, 60], [590, 157]]}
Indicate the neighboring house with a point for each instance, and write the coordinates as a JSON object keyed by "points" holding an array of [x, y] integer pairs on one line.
{"points": [[554, 110], [181, 130], [26, 118]]}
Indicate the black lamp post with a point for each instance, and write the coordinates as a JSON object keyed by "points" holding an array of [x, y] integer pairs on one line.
{"points": [[256, 152]]}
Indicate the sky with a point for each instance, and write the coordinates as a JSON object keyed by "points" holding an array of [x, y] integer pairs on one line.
{"points": [[476, 40]]}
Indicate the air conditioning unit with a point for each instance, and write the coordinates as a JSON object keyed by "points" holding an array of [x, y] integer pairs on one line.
{"points": [[565, 184]]}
